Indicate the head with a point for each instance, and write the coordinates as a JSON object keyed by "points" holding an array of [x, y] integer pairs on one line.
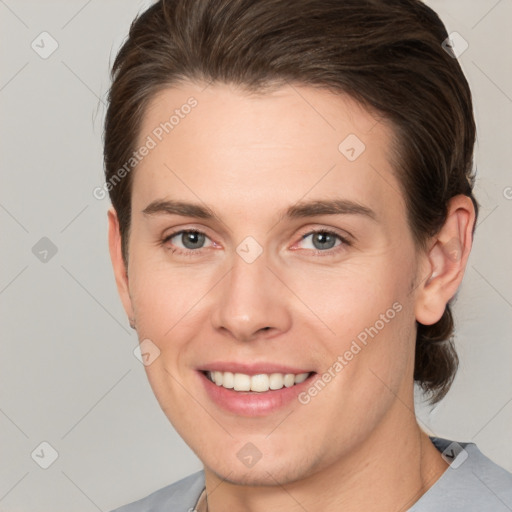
{"points": [[272, 120]]}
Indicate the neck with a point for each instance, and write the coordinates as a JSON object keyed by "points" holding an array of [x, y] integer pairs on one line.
{"points": [[391, 470]]}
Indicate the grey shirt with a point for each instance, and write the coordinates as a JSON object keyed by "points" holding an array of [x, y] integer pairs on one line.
{"points": [[472, 483]]}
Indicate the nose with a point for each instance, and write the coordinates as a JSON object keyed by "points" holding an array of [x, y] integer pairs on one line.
{"points": [[252, 302]]}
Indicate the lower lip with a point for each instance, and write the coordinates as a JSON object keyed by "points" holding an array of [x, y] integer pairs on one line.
{"points": [[252, 403]]}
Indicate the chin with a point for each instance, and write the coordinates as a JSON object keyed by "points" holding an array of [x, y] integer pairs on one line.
{"points": [[252, 477], [263, 473]]}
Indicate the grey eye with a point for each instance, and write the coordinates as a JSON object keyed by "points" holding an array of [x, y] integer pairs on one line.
{"points": [[322, 240], [188, 240]]}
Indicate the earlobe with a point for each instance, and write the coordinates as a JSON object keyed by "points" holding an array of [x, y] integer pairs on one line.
{"points": [[446, 261], [119, 267]]}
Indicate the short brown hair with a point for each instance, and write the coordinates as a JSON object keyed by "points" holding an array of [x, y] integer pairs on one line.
{"points": [[387, 54]]}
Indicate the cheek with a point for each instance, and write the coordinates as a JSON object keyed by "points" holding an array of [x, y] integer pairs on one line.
{"points": [[352, 300], [377, 353], [164, 297], [166, 303], [368, 315]]}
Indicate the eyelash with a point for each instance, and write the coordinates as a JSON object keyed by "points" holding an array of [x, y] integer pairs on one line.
{"points": [[328, 252], [195, 252]]}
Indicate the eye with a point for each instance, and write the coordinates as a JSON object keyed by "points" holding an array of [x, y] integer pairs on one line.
{"points": [[323, 240], [190, 241], [186, 241]]}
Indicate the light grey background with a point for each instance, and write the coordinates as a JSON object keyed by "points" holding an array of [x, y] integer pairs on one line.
{"points": [[68, 375]]}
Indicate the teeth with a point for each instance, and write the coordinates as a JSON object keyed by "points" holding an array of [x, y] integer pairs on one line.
{"points": [[228, 380], [259, 383], [218, 378], [276, 381], [242, 382], [301, 377], [289, 380]]}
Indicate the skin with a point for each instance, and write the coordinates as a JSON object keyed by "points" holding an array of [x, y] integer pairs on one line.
{"points": [[357, 444]]}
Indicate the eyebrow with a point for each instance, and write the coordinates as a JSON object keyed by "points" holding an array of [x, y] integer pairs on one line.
{"points": [[299, 210]]}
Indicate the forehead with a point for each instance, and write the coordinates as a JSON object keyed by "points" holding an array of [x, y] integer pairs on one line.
{"points": [[231, 149]]}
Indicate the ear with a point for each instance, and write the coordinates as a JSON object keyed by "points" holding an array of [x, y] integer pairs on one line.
{"points": [[445, 261], [116, 256]]}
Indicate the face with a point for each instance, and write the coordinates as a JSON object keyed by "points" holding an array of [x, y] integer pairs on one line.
{"points": [[269, 250]]}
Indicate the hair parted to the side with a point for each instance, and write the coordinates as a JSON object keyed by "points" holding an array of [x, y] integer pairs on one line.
{"points": [[387, 54]]}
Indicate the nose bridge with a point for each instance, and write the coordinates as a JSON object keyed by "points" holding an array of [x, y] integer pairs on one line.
{"points": [[251, 298]]}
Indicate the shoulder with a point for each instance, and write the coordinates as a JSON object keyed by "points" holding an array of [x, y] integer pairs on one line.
{"points": [[472, 482], [180, 496]]}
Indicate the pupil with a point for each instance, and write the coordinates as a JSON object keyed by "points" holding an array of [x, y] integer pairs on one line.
{"points": [[193, 240], [325, 241]]}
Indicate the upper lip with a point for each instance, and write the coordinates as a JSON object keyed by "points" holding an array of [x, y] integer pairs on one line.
{"points": [[251, 368]]}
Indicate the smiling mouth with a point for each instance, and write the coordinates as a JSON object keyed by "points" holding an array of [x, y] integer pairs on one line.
{"points": [[259, 383]]}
